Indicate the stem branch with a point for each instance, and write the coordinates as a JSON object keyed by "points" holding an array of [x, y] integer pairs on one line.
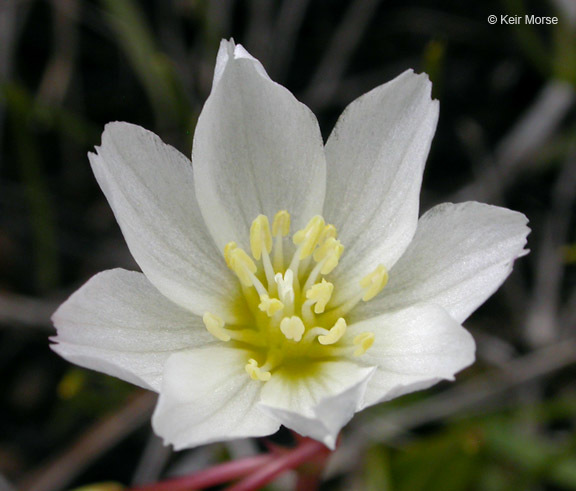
{"points": [[211, 477], [280, 464]]}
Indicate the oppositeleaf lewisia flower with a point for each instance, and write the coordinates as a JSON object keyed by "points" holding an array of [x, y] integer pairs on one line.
{"points": [[284, 281]]}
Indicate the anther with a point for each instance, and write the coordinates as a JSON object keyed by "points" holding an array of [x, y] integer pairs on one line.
{"points": [[307, 238], [363, 342], [270, 305], [215, 326], [328, 232], [292, 327], [320, 293], [335, 334], [242, 265], [255, 372], [329, 252], [260, 237], [281, 224], [374, 282], [228, 248]]}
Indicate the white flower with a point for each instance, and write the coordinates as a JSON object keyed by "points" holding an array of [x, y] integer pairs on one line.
{"points": [[263, 299]]}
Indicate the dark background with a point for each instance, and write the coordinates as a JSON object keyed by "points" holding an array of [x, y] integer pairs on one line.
{"points": [[506, 136]]}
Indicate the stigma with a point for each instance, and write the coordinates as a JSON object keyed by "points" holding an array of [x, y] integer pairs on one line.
{"points": [[285, 289]]}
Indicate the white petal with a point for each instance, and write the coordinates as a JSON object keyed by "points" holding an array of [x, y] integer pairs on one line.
{"points": [[150, 187], [119, 324], [207, 396], [413, 349], [375, 157], [256, 150], [318, 401], [460, 255]]}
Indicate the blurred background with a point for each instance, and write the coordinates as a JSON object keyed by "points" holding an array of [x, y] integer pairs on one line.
{"points": [[506, 136]]}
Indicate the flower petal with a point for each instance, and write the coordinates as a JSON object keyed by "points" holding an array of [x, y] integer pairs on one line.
{"points": [[318, 399], [256, 150], [460, 255], [119, 324], [207, 396], [413, 349], [150, 187], [376, 156]]}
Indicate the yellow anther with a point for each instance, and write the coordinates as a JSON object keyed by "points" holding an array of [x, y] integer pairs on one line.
{"points": [[228, 248], [270, 305], [242, 265], [308, 237], [335, 333], [320, 293], [260, 236], [329, 252], [215, 326], [374, 282], [281, 224], [363, 342], [328, 232], [292, 327], [255, 372]]}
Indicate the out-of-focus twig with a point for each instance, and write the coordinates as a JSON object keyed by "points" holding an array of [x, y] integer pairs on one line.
{"points": [[542, 317], [12, 16], [338, 53], [58, 72], [26, 311], [568, 313], [5, 485], [259, 35], [287, 26], [153, 460], [531, 131], [103, 435], [567, 9]]}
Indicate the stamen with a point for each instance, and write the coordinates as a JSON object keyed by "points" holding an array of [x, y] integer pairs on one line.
{"points": [[288, 298], [328, 232], [280, 228], [270, 305], [255, 372], [374, 282], [215, 326], [260, 237], [292, 327], [241, 264], [335, 334], [320, 294], [329, 254], [363, 342], [228, 248], [281, 224], [307, 238]]}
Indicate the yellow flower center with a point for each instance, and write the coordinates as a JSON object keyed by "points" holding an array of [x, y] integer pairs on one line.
{"points": [[291, 316]]}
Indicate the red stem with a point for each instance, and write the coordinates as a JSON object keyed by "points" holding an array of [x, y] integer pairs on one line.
{"points": [[280, 464], [307, 482], [210, 477]]}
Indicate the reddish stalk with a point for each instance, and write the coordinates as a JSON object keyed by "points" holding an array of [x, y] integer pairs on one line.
{"points": [[213, 476], [307, 451]]}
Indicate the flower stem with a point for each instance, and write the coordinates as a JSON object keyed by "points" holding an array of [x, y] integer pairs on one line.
{"points": [[211, 477], [308, 450]]}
